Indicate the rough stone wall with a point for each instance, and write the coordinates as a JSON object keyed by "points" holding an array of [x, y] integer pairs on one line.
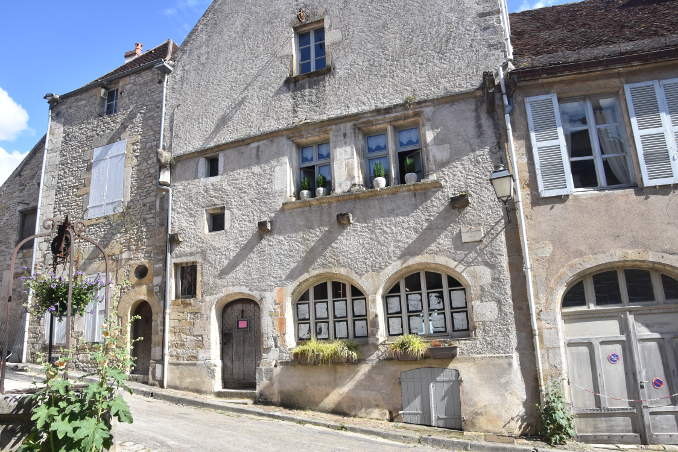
{"points": [[135, 235], [571, 236], [233, 74], [19, 193]]}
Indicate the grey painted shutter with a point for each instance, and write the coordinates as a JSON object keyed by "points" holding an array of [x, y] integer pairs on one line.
{"points": [[548, 146], [414, 391], [652, 132], [446, 400], [107, 182]]}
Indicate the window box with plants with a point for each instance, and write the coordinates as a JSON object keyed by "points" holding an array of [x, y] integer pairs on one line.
{"points": [[316, 353], [412, 347]]}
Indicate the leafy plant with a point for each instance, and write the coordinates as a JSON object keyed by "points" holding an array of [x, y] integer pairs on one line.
{"points": [[378, 170], [77, 414], [321, 181], [409, 165], [323, 352], [557, 422], [50, 294], [305, 183], [409, 100], [410, 346]]}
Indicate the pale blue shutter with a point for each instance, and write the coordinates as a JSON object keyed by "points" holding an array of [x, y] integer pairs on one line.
{"points": [[549, 149], [652, 132], [107, 181]]}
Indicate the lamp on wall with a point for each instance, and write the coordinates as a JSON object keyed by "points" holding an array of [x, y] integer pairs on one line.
{"points": [[502, 182]]}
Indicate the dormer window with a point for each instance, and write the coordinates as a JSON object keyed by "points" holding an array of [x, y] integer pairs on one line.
{"points": [[311, 50], [111, 101]]}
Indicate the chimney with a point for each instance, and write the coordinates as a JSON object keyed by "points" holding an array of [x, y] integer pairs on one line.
{"points": [[132, 54]]}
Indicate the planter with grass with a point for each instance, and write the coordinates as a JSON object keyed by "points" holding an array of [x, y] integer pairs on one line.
{"points": [[410, 171], [317, 353], [379, 172], [408, 348], [305, 186], [320, 183]]}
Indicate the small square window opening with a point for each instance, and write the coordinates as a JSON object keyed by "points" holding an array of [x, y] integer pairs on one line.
{"points": [[112, 101], [216, 220], [27, 227], [311, 50], [212, 166]]}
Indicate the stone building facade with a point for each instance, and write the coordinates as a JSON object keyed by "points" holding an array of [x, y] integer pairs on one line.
{"points": [[595, 108], [258, 270]]}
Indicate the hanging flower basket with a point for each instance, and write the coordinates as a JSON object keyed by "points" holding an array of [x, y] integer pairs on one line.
{"points": [[50, 294]]}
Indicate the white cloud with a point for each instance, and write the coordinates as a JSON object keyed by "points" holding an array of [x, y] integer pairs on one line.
{"points": [[527, 4], [8, 162], [13, 118]]}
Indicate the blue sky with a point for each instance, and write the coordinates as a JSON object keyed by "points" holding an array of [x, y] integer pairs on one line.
{"points": [[57, 46]]}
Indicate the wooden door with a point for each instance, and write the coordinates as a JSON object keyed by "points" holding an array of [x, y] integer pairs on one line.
{"points": [[431, 396], [241, 344], [142, 328]]}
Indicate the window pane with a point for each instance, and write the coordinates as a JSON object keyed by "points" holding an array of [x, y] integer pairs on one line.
{"points": [[606, 286], [395, 288], [670, 287], [414, 302], [384, 163], [458, 299], [213, 167], [323, 151], [434, 281], [188, 280], [611, 141], [416, 324], [451, 282], [584, 174], [355, 292], [216, 222], [319, 50], [320, 292], [393, 305], [319, 34], [616, 171], [639, 286], [395, 326], [305, 54], [303, 312], [579, 143], [459, 321], [304, 330], [435, 301], [304, 39], [575, 296], [376, 143], [338, 289], [321, 310], [408, 137], [359, 307], [307, 154], [360, 328], [437, 322], [304, 296], [326, 171], [322, 330], [319, 63], [305, 67], [573, 114], [341, 329], [340, 309], [413, 283], [308, 173], [605, 111]]}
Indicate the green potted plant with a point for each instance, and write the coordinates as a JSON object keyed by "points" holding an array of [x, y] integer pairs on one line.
{"points": [[379, 172], [320, 186], [315, 352], [305, 186], [410, 170], [408, 348], [50, 294]]}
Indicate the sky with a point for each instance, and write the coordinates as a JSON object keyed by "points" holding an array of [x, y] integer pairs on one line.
{"points": [[58, 46]]}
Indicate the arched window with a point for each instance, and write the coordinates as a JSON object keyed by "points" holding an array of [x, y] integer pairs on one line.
{"points": [[427, 303], [620, 287], [330, 311]]}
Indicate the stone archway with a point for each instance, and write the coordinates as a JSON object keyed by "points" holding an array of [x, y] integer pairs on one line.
{"points": [[142, 328]]}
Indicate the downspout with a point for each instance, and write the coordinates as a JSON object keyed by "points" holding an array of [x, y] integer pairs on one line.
{"points": [[518, 200], [164, 186]]}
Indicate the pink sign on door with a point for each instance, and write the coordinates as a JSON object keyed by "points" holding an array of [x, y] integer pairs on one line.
{"points": [[243, 324]]}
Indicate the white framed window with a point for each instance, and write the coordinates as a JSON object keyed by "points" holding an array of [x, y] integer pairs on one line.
{"points": [[216, 219], [331, 310], [596, 142], [377, 153], [311, 50], [111, 101], [427, 303], [621, 287], [398, 158], [95, 312], [186, 281], [107, 181], [315, 161], [409, 153]]}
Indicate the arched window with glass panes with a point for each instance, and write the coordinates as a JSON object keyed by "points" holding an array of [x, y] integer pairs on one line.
{"points": [[331, 310], [427, 303], [621, 287]]}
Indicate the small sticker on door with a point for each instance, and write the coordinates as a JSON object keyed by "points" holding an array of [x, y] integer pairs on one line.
{"points": [[243, 324], [657, 383], [613, 358]]}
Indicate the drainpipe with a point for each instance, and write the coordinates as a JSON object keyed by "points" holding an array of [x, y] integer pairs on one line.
{"points": [[523, 235], [165, 69]]}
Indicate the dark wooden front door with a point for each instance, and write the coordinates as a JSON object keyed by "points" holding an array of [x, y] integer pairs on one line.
{"points": [[240, 344], [142, 328]]}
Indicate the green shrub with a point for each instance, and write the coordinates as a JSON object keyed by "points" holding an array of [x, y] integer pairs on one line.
{"points": [[50, 294], [324, 352], [557, 423], [409, 346], [321, 181], [378, 170], [410, 167], [305, 183]]}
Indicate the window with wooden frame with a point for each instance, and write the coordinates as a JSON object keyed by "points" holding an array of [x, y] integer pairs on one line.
{"points": [[402, 156], [311, 49], [315, 161], [186, 281], [111, 107], [427, 303], [621, 287], [331, 310], [27, 226]]}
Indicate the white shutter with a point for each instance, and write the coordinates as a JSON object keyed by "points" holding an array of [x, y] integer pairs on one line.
{"points": [[671, 99], [59, 332], [652, 133], [548, 146], [94, 314], [107, 182]]}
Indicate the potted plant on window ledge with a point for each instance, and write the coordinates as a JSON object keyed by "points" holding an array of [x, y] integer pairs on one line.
{"points": [[408, 348], [315, 352], [379, 180], [321, 182], [305, 185], [410, 171]]}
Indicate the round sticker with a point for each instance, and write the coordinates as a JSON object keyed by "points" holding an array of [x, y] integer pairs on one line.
{"points": [[613, 358], [657, 383]]}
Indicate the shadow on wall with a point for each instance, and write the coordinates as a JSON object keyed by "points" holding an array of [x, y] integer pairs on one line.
{"points": [[15, 420]]}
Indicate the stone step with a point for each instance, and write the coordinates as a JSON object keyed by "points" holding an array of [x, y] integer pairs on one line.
{"points": [[237, 395], [138, 378]]}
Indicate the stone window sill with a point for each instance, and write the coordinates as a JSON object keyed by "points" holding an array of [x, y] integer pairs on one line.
{"points": [[371, 193], [299, 77]]}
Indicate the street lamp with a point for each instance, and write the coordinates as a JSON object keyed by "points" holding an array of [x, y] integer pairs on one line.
{"points": [[502, 182]]}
